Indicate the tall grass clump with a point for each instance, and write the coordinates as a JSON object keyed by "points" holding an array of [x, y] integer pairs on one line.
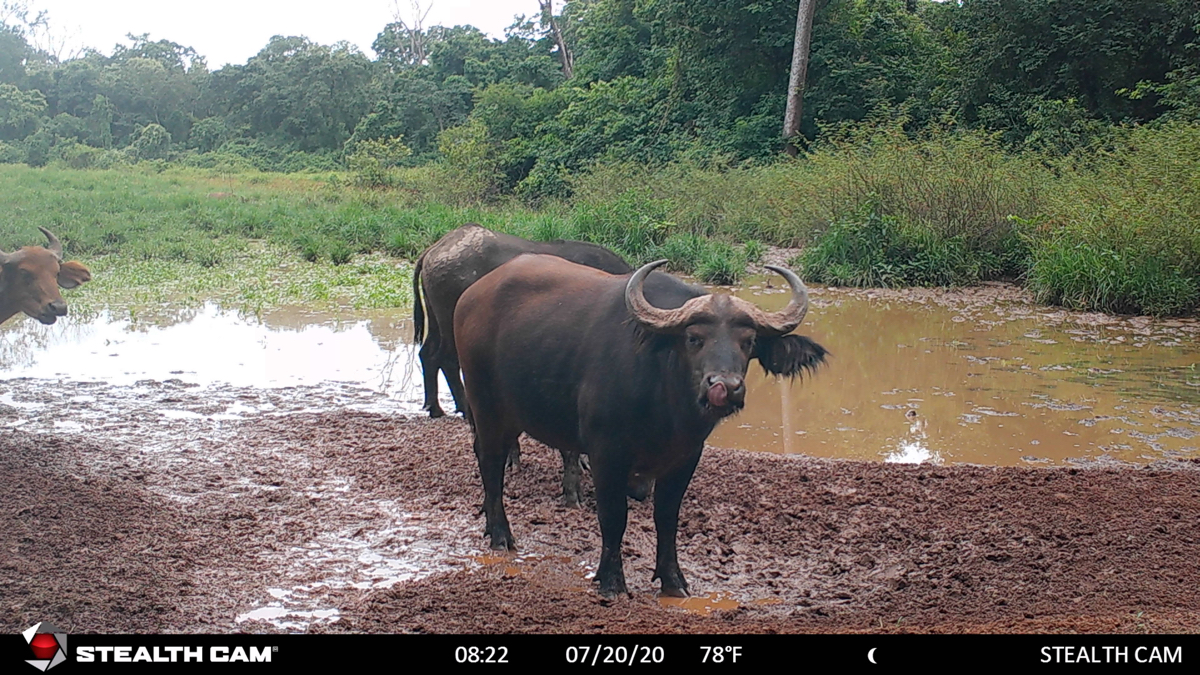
{"points": [[878, 250], [952, 183], [633, 224], [1120, 231]]}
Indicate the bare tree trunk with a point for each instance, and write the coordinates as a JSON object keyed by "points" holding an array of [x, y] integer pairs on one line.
{"points": [[799, 72], [564, 54], [417, 39]]}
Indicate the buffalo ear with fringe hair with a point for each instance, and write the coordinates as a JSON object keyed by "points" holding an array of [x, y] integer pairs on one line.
{"points": [[789, 355]]}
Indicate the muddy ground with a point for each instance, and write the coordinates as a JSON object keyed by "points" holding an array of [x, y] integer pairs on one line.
{"points": [[367, 522]]}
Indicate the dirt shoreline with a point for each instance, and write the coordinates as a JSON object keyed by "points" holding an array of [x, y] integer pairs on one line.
{"points": [[107, 536]]}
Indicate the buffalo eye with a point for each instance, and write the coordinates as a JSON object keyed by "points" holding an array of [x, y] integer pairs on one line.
{"points": [[748, 345], [695, 341]]}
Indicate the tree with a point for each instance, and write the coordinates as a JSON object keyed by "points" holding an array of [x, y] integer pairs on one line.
{"points": [[151, 142], [99, 122], [295, 92], [1019, 53], [564, 54], [20, 112], [798, 74], [405, 42]]}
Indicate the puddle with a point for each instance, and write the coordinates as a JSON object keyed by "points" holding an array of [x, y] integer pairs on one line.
{"points": [[702, 604], [989, 384], [391, 547], [370, 350], [995, 382]]}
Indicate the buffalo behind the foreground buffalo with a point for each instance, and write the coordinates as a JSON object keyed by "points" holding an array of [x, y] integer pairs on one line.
{"points": [[445, 270], [634, 370]]}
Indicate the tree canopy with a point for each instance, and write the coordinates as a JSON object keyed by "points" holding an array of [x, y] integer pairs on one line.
{"points": [[650, 81]]}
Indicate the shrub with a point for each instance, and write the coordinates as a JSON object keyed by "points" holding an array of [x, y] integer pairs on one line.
{"points": [[1097, 276], [878, 250], [720, 263], [373, 160], [1119, 230], [150, 142]]}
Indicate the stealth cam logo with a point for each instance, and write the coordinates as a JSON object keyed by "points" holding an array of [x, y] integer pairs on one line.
{"points": [[49, 645]]}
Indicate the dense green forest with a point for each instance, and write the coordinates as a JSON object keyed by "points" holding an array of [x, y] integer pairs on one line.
{"points": [[1054, 141], [652, 81]]}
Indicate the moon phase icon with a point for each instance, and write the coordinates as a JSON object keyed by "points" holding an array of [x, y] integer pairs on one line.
{"points": [[871, 655]]}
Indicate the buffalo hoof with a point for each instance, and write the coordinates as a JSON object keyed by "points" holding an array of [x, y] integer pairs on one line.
{"points": [[436, 412], [611, 588], [502, 540], [673, 583], [571, 501], [674, 592]]}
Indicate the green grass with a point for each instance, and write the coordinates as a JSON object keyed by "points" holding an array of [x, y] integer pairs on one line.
{"points": [[1110, 228], [872, 250], [202, 218], [257, 278]]}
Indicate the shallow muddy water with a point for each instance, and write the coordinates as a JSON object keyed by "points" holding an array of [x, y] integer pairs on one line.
{"points": [[983, 382], [208, 346], [991, 381]]}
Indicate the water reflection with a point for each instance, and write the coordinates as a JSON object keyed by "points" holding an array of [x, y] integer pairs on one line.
{"points": [[207, 346]]}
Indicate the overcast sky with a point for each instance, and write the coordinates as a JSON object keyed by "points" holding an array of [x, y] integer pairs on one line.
{"points": [[231, 31]]}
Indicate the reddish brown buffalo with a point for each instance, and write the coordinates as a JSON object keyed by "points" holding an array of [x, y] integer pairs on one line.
{"points": [[634, 370], [30, 277]]}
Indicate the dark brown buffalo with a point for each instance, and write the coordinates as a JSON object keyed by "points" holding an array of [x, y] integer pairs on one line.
{"points": [[634, 370], [30, 277], [445, 270], [449, 267]]}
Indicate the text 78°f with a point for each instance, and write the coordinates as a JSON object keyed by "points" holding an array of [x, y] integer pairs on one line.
{"points": [[723, 654]]}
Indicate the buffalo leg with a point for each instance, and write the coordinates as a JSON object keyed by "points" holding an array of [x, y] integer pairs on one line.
{"points": [[668, 496], [490, 451], [572, 474], [454, 380], [610, 478], [430, 363]]}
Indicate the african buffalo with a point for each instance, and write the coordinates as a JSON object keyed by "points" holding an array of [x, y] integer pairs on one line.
{"points": [[448, 268], [30, 277], [634, 370]]}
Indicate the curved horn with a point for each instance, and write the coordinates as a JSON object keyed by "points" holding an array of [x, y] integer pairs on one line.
{"points": [[785, 320], [55, 246], [654, 318]]}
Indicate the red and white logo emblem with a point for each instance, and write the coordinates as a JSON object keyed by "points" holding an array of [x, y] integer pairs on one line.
{"points": [[49, 645]]}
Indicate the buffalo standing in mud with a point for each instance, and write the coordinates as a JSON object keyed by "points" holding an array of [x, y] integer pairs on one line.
{"points": [[446, 270], [30, 277], [635, 371], [449, 267]]}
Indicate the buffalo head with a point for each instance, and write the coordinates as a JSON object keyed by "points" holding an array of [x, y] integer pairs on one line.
{"points": [[30, 277], [715, 336]]}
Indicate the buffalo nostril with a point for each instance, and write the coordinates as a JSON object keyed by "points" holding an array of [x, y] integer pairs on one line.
{"points": [[58, 308]]}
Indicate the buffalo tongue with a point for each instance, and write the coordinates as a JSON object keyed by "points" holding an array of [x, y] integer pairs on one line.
{"points": [[718, 395]]}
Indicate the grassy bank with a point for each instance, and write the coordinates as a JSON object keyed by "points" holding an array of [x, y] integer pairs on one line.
{"points": [[250, 279], [1112, 228]]}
